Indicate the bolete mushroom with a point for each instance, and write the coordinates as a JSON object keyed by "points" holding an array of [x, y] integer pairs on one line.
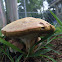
{"points": [[28, 30]]}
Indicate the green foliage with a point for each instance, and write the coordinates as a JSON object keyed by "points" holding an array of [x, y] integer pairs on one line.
{"points": [[31, 6], [18, 1], [8, 55]]}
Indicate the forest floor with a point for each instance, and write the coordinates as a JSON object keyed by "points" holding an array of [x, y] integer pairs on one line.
{"points": [[58, 47]]}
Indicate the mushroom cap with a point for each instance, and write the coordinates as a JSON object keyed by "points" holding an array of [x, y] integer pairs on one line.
{"points": [[26, 26]]}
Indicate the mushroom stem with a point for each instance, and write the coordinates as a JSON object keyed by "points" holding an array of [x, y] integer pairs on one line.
{"points": [[29, 40]]}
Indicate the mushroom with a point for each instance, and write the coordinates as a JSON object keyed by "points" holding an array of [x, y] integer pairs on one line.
{"points": [[16, 43], [28, 30]]}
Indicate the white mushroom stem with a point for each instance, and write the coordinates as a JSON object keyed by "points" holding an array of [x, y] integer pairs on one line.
{"points": [[29, 40]]}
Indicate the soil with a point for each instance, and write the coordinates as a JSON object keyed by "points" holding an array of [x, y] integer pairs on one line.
{"points": [[58, 47]]}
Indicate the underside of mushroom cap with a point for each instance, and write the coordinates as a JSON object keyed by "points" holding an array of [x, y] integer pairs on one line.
{"points": [[26, 26]]}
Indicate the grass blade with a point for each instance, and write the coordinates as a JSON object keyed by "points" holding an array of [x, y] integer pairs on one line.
{"points": [[53, 39], [53, 50], [48, 58], [44, 38], [18, 59], [38, 53], [57, 19], [11, 59], [10, 45], [48, 41]]}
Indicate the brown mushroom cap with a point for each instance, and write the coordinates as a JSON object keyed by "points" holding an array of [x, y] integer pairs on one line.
{"points": [[27, 25]]}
